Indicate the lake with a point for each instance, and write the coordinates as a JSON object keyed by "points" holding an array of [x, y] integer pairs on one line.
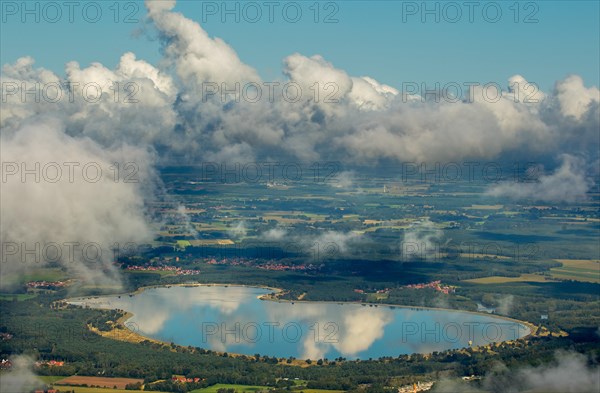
{"points": [[233, 319]]}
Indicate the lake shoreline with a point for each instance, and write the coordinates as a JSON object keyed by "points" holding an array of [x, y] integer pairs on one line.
{"points": [[265, 297], [526, 324]]}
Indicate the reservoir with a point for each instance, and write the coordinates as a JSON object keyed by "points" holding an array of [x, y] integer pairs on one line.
{"points": [[234, 319]]}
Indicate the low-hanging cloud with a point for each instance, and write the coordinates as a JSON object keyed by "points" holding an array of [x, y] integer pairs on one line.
{"points": [[568, 183], [505, 304], [20, 378], [319, 245], [71, 202], [239, 230], [421, 240], [351, 119], [569, 373]]}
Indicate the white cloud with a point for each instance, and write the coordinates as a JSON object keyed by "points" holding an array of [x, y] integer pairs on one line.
{"points": [[368, 94], [569, 373], [20, 378], [574, 98], [197, 57], [132, 103], [74, 195], [366, 123], [274, 234], [421, 240], [568, 183], [239, 231]]}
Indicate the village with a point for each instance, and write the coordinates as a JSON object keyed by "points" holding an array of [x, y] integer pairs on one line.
{"points": [[436, 285], [268, 266], [176, 270], [46, 284], [416, 387]]}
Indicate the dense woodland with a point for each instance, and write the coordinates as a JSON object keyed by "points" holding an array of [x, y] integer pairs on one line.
{"points": [[62, 334]]}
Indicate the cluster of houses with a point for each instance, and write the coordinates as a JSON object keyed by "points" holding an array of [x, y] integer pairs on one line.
{"points": [[280, 267], [436, 285], [231, 262], [416, 387], [267, 266], [187, 272], [177, 270], [384, 291], [46, 284], [182, 379], [51, 363]]}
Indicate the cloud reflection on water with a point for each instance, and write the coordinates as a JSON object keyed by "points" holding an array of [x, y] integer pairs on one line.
{"points": [[232, 319]]}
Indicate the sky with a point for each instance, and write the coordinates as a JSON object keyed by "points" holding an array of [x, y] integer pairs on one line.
{"points": [[155, 101], [377, 60], [386, 40]]}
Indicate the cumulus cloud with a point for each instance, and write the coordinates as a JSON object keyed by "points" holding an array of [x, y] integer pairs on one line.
{"points": [[320, 81], [197, 58], [421, 240], [505, 304], [334, 242], [368, 94], [344, 179], [69, 201], [158, 6], [569, 373], [239, 231], [184, 218], [20, 378], [165, 108], [319, 245], [132, 103], [477, 128], [568, 183], [574, 98], [182, 112], [274, 234]]}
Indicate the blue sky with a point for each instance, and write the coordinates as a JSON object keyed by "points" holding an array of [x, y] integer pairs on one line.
{"points": [[370, 38]]}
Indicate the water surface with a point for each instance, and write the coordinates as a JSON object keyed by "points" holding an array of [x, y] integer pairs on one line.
{"points": [[233, 319]]}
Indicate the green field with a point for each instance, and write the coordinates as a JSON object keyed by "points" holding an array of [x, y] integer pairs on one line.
{"points": [[577, 269], [51, 378], [42, 274], [239, 388], [372, 297], [79, 389], [248, 388], [502, 280], [182, 244], [20, 296], [321, 391], [162, 273]]}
